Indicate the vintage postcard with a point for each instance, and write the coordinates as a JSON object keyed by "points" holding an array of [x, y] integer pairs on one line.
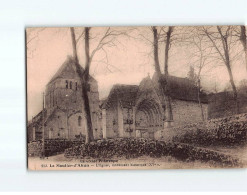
{"points": [[153, 97]]}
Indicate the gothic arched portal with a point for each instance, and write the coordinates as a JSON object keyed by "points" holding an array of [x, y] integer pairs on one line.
{"points": [[148, 118]]}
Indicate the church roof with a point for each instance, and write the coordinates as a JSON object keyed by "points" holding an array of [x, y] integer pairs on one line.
{"points": [[179, 88], [68, 62], [37, 119], [184, 89], [125, 94]]}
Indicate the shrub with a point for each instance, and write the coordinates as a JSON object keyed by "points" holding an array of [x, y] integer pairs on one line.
{"points": [[226, 131], [52, 146], [133, 148]]}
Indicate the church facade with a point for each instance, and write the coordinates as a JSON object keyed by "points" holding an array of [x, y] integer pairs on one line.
{"points": [[138, 110], [63, 116], [128, 111]]}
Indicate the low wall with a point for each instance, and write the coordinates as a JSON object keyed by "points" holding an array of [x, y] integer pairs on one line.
{"points": [[35, 148], [169, 133], [223, 104], [226, 127], [52, 146]]}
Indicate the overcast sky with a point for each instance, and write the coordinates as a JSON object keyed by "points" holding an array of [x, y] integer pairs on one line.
{"points": [[129, 61]]}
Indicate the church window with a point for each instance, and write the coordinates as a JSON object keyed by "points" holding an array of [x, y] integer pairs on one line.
{"points": [[114, 122], [100, 116], [76, 86], [70, 85], [79, 121], [67, 84]]}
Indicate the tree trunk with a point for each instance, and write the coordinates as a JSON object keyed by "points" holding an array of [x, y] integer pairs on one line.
{"points": [[235, 94], [167, 92], [74, 45], [86, 88], [168, 42], [84, 78], [228, 65], [224, 40], [161, 80], [199, 87], [156, 54], [199, 99], [244, 42], [245, 54]]}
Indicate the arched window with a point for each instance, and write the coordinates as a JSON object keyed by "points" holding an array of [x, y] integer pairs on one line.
{"points": [[79, 120], [70, 84], [67, 84]]}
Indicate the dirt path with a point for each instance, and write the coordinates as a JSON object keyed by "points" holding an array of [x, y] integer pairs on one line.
{"points": [[239, 152]]}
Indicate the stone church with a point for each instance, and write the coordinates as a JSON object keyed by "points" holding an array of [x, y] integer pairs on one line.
{"points": [[63, 113], [137, 111], [128, 111]]}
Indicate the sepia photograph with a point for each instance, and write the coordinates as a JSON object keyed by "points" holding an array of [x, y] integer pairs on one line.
{"points": [[149, 97]]}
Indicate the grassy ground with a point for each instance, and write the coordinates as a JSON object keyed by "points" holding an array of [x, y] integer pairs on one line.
{"points": [[239, 152]]}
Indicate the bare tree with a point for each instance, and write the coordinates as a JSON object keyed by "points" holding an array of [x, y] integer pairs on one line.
{"points": [[167, 91], [84, 79], [162, 82], [221, 40], [201, 56], [167, 48], [32, 36], [75, 56], [161, 35], [156, 53], [108, 39], [244, 41]]}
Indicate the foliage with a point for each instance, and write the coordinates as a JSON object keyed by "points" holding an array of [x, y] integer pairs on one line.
{"points": [[225, 131], [35, 148], [52, 146], [136, 147], [192, 75]]}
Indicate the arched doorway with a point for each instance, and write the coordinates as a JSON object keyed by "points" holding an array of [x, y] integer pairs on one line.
{"points": [[148, 118]]}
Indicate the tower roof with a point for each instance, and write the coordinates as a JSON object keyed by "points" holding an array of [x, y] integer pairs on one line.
{"points": [[69, 62]]}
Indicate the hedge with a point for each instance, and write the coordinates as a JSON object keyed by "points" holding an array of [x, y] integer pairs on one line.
{"points": [[225, 131], [133, 148], [52, 146]]}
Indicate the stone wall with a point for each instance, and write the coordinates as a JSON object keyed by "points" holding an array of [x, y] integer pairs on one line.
{"points": [[111, 121], [185, 112], [223, 104], [120, 122], [116, 122], [77, 125], [56, 126], [30, 133], [128, 122], [63, 100], [185, 115], [34, 128]]}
